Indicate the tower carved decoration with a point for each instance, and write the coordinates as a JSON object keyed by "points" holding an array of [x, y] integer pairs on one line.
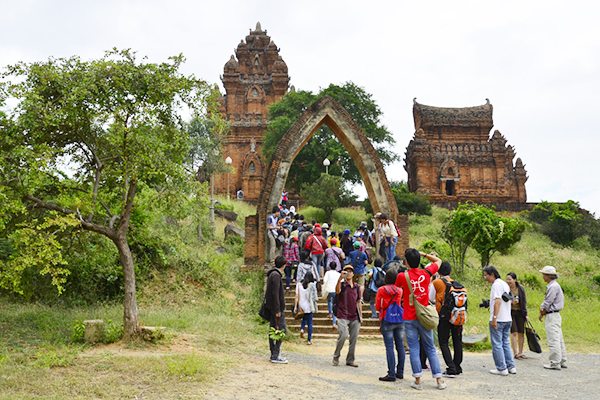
{"points": [[254, 78], [453, 159]]}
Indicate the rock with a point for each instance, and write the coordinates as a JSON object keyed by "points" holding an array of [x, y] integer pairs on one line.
{"points": [[94, 331], [228, 215], [152, 333], [472, 340], [232, 230]]}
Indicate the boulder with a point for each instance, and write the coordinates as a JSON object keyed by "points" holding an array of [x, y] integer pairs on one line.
{"points": [[228, 215], [94, 331], [232, 230]]}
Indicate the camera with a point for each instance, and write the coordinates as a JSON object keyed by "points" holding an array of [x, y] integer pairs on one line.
{"points": [[484, 303], [507, 296]]}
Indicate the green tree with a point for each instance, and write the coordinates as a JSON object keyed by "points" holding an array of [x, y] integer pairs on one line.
{"points": [[559, 221], [84, 139], [327, 193], [479, 227], [308, 164], [407, 202]]}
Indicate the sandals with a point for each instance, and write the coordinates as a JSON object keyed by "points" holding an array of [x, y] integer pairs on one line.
{"points": [[521, 356]]}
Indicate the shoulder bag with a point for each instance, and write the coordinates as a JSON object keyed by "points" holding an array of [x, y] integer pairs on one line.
{"points": [[427, 315], [533, 339]]}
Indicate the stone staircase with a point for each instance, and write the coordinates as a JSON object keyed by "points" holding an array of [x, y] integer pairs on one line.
{"points": [[322, 325]]}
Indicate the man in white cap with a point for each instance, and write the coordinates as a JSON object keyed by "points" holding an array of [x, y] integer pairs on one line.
{"points": [[554, 302]]}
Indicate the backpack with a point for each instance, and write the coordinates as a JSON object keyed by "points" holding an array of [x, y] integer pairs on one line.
{"points": [[379, 277], [454, 307], [394, 312]]}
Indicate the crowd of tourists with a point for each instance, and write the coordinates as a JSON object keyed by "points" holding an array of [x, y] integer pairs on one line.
{"points": [[409, 299]]}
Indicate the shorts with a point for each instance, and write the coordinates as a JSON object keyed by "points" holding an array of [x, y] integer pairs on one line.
{"points": [[518, 322], [359, 279]]}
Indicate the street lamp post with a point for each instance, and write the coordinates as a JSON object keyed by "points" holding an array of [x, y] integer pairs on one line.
{"points": [[228, 161], [326, 163]]}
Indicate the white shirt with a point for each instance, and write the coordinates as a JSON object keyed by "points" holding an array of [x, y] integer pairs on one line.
{"points": [[388, 229], [498, 288], [330, 281]]}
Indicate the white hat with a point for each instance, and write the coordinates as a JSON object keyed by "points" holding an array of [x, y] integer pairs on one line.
{"points": [[549, 270], [325, 225]]}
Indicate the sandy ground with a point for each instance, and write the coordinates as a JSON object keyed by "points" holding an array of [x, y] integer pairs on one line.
{"points": [[310, 375]]}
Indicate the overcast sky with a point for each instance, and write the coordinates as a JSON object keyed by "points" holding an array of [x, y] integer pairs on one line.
{"points": [[537, 61]]}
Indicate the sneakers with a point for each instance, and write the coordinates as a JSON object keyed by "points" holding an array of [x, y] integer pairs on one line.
{"points": [[301, 333], [387, 378], [279, 360], [512, 370], [549, 366], [494, 371], [441, 385], [449, 374], [309, 343], [563, 365], [352, 364], [416, 386], [335, 362]]}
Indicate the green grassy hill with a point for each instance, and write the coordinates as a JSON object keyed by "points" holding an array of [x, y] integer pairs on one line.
{"points": [[577, 266]]}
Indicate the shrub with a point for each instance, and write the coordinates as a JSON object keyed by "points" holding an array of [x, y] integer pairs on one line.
{"points": [[532, 280]]}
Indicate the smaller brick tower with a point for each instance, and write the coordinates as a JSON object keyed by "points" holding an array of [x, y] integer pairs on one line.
{"points": [[253, 79]]}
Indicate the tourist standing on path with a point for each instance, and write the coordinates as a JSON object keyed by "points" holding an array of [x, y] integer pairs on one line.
{"points": [[554, 302], [518, 312], [330, 281], [389, 236], [358, 259], [272, 233], [445, 328], [348, 315], [392, 325], [317, 244], [275, 304], [419, 280], [306, 300], [500, 323]]}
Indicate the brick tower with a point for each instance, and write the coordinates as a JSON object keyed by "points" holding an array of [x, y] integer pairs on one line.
{"points": [[452, 158], [253, 79]]}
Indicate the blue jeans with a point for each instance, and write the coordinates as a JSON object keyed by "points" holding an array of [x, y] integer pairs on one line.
{"points": [[501, 351], [307, 319], [317, 259], [392, 337], [390, 251], [414, 330], [330, 297]]}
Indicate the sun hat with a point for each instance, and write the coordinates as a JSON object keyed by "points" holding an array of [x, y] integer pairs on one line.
{"points": [[356, 245], [325, 225], [349, 267], [549, 270], [333, 241], [346, 231]]}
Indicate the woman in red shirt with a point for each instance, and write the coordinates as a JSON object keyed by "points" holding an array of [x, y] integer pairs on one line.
{"points": [[388, 304]]}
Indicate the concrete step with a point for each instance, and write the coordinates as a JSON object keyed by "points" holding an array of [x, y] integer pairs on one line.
{"points": [[323, 320], [322, 306], [369, 330], [334, 336]]}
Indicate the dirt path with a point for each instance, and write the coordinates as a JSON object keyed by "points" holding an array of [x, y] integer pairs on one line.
{"points": [[310, 375]]}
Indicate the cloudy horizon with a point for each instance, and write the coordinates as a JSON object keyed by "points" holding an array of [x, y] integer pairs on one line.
{"points": [[538, 62]]}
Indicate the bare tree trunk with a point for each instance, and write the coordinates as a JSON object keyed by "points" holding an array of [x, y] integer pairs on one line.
{"points": [[130, 308]]}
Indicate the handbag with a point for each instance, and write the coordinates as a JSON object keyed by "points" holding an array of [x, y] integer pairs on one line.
{"points": [[427, 315], [533, 339], [264, 312], [299, 313]]}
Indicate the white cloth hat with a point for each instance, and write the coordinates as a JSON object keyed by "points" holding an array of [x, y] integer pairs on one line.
{"points": [[325, 225], [549, 270]]}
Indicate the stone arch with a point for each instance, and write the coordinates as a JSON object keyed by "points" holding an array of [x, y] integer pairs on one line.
{"points": [[325, 111], [449, 177]]}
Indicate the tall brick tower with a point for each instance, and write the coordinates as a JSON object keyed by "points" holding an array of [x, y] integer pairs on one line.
{"points": [[253, 79]]}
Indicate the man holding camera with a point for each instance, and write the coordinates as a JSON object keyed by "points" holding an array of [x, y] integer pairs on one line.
{"points": [[500, 322], [348, 315]]}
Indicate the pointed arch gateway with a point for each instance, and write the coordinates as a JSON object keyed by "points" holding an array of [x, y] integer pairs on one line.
{"points": [[329, 112]]}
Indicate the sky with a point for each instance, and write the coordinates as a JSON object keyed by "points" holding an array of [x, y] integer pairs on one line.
{"points": [[537, 61]]}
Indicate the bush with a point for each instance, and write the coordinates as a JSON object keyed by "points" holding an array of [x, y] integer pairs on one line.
{"points": [[532, 280], [596, 279], [407, 202]]}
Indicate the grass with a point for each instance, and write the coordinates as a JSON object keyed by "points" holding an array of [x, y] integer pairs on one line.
{"points": [[581, 325]]}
